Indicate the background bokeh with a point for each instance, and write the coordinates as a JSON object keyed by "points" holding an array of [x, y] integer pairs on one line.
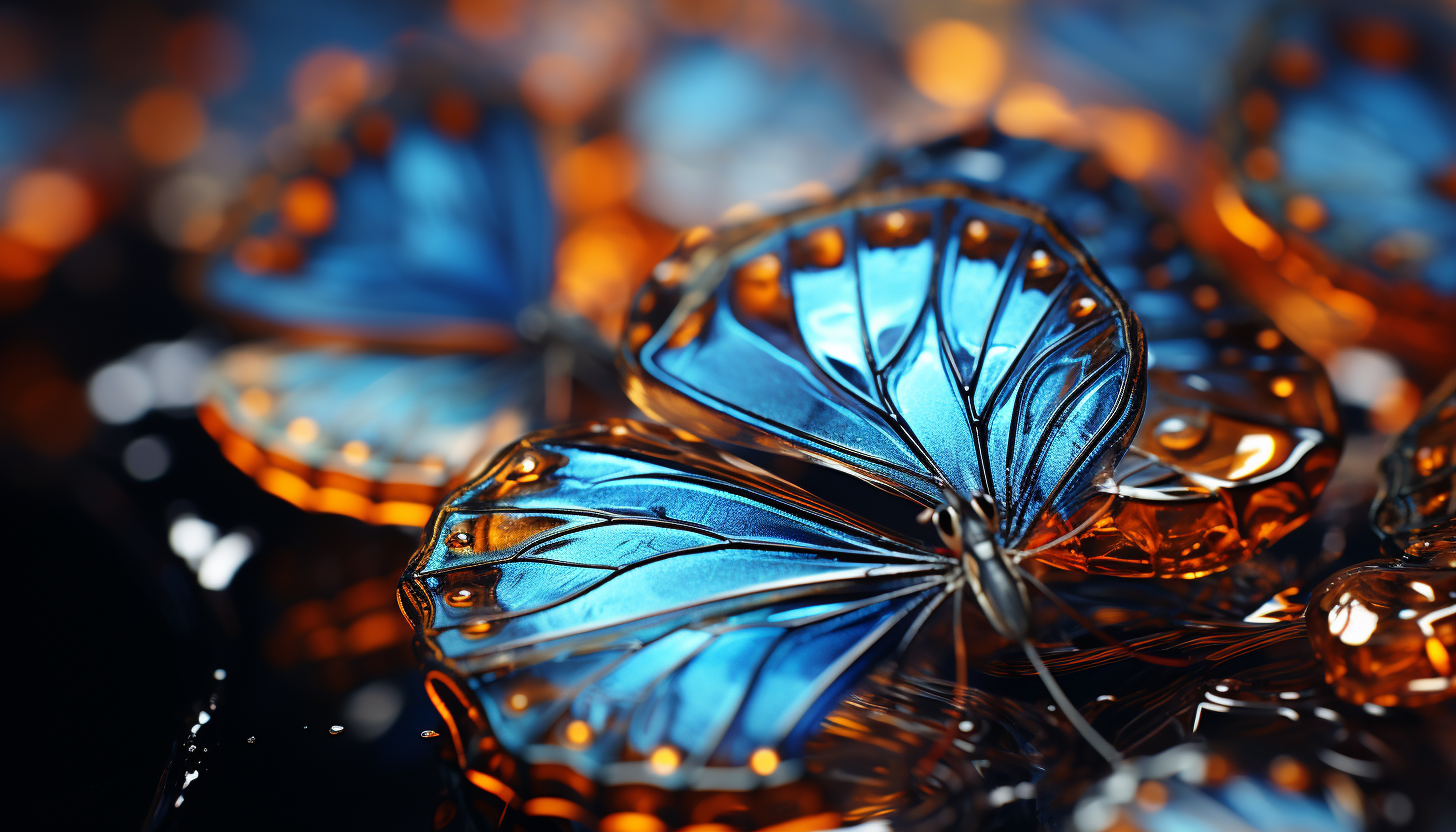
{"points": [[143, 561]]}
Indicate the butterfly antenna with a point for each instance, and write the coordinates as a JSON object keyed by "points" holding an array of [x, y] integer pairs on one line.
{"points": [[1079, 722], [1109, 639]]}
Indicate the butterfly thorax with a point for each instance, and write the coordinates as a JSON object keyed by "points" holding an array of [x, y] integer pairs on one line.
{"points": [[967, 526]]}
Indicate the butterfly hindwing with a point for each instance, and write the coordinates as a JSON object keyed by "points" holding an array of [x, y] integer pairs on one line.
{"points": [[639, 608]]}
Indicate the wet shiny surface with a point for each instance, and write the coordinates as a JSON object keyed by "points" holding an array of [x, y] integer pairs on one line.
{"points": [[1416, 507], [1386, 632]]}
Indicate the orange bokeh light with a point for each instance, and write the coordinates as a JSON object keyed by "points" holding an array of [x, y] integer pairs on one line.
{"points": [[307, 206], [328, 84], [165, 125], [208, 54], [595, 175], [955, 64], [485, 19], [1036, 111], [49, 210], [558, 89]]}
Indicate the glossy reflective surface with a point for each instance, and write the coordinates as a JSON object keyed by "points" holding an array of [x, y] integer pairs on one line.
{"points": [[1386, 632], [1416, 508], [1240, 430], [926, 336]]}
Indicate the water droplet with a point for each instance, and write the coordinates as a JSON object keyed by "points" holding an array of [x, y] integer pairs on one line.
{"points": [[1431, 459], [475, 629], [219, 674], [460, 598], [1178, 434], [824, 247], [966, 726], [578, 732], [665, 759], [252, 740], [764, 762], [519, 701], [424, 735], [1039, 261], [1082, 307], [975, 233], [1282, 386], [460, 538], [336, 729]]}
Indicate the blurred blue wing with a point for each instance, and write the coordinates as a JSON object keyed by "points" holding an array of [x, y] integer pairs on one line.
{"points": [[1373, 141], [442, 238], [1170, 56], [386, 428], [662, 596], [916, 357]]}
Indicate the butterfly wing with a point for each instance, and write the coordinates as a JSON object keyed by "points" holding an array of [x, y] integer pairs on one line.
{"points": [[924, 336], [1240, 430], [373, 435], [430, 238], [643, 610]]}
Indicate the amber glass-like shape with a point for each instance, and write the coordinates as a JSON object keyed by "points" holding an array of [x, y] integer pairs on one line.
{"points": [[1386, 631], [1416, 508]]}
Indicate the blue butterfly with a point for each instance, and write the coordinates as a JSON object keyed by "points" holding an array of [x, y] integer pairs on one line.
{"points": [[424, 225], [630, 605]]}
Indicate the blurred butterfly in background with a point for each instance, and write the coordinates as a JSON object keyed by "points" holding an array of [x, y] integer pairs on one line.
{"points": [[1341, 138], [633, 606], [399, 263]]}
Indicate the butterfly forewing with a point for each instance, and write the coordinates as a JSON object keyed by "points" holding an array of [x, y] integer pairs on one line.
{"points": [[632, 605], [923, 337]]}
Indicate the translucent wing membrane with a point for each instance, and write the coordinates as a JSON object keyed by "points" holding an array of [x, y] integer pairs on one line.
{"points": [[371, 435], [642, 610], [926, 337], [416, 228], [1240, 430]]}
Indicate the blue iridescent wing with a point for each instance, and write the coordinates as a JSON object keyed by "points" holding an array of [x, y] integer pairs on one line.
{"points": [[437, 238], [373, 435], [925, 337], [1236, 413], [645, 610], [1170, 56]]}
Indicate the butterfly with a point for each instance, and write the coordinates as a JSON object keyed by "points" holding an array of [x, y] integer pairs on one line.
{"points": [[850, 335], [398, 266]]}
